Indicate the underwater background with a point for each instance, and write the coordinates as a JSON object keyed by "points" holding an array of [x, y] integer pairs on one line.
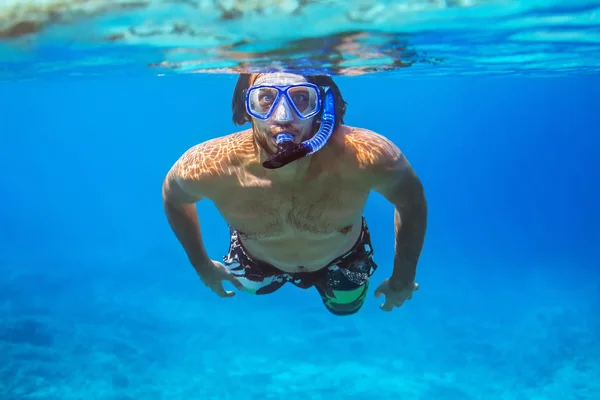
{"points": [[98, 301], [495, 103]]}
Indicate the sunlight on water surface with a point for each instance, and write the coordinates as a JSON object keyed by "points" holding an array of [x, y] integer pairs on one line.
{"points": [[50, 38]]}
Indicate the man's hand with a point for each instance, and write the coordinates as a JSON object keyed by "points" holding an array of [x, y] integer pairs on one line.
{"points": [[394, 297], [213, 276]]}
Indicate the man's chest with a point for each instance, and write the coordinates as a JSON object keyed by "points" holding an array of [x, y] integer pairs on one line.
{"points": [[268, 210]]}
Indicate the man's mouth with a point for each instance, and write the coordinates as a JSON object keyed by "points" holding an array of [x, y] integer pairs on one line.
{"points": [[274, 136]]}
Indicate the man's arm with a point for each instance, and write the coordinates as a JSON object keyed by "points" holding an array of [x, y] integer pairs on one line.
{"points": [[395, 179], [181, 190]]}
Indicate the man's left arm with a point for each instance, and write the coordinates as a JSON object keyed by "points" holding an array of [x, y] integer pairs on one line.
{"points": [[395, 179]]}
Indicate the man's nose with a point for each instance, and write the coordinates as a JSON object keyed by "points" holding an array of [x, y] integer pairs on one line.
{"points": [[283, 111]]}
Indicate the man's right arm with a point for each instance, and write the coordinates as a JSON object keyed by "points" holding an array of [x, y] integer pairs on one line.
{"points": [[181, 191]]}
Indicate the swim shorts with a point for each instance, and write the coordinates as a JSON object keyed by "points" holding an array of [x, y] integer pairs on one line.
{"points": [[342, 284]]}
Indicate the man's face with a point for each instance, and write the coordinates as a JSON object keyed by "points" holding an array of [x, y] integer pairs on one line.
{"points": [[283, 118]]}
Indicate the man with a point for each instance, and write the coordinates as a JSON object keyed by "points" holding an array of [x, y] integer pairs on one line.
{"points": [[302, 223]]}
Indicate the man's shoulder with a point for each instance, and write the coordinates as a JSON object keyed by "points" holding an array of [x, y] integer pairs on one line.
{"points": [[215, 157], [369, 149], [215, 148]]}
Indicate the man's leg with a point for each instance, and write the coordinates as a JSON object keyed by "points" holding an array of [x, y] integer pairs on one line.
{"points": [[345, 282], [344, 298]]}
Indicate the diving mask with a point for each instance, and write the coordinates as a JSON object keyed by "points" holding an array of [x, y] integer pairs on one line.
{"points": [[304, 99]]}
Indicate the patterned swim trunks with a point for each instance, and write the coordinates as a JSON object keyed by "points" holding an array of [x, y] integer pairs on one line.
{"points": [[342, 284]]}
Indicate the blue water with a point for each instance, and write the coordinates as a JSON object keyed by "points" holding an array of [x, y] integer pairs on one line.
{"points": [[98, 301]]}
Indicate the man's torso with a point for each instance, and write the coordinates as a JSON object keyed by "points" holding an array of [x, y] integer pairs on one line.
{"points": [[300, 225]]}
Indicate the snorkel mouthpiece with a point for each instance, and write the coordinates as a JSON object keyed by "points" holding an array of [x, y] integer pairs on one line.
{"points": [[288, 151]]}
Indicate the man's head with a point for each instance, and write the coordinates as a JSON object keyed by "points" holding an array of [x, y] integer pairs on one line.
{"points": [[287, 104]]}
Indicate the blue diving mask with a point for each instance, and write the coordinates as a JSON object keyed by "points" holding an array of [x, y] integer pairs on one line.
{"points": [[305, 100]]}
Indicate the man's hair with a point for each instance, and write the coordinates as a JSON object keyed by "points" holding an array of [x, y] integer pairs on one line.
{"points": [[238, 102]]}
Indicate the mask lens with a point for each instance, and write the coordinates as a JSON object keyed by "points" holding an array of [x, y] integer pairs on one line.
{"points": [[304, 98], [261, 100]]}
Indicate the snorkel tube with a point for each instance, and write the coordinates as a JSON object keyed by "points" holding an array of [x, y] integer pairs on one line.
{"points": [[288, 151]]}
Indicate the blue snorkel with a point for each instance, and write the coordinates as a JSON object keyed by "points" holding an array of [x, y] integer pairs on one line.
{"points": [[288, 151]]}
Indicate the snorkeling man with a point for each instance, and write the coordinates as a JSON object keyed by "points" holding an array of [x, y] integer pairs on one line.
{"points": [[292, 189]]}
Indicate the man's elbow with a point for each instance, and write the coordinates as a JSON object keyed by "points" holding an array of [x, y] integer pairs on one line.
{"points": [[419, 192], [410, 200], [412, 207]]}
